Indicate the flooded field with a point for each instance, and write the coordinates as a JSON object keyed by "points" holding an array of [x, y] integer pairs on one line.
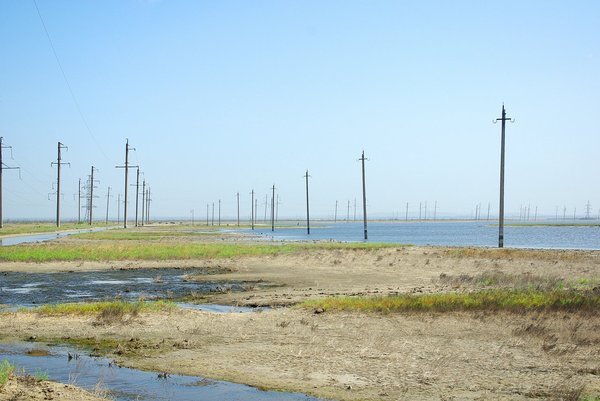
{"points": [[29, 289], [72, 366]]}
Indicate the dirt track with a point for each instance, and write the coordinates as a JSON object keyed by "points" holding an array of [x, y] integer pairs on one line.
{"points": [[352, 356]]}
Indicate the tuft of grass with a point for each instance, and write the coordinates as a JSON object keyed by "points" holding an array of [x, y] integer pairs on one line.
{"points": [[48, 252], [40, 375], [495, 300], [6, 370], [113, 308]]}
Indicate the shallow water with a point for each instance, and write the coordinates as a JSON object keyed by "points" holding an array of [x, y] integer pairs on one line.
{"points": [[215, 308], [124, 384], [29, 289], [22, 239], [445, 233]]}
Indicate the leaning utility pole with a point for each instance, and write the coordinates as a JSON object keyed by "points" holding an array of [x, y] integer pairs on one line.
{"points": [[501, 210], [126, 167], [273, 210], [307, 207], [4, 167], [58, 164], [362, 159]]}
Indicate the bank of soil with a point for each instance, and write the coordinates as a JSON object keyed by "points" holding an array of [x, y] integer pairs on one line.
{"points": [[27, 388], [360, 356]]}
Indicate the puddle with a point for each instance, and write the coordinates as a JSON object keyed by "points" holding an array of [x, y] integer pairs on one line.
{"points": [[220, 308], [66, 365], [30, 289], [23, 239]]}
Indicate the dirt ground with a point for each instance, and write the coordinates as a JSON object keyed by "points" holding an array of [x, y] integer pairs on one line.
{"points": [[358, 356], [22, 388]]}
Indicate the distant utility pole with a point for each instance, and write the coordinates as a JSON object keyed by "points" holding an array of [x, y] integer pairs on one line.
{"points": [[126, 167], [406, 217], [58, 163], [207, 214], [143, 201], [488, 214], [137, 195], [107, 203], [2, 168], [535, 215], [564, 212], [79, 204], [273, 210], [348, 212], [252, 210], [255, 210], [148, 201], [238, 208], [212, 218], [420, 210], [277, 209], [425, 211], [434, 210], [219, 212], [118, 208], [335, 213], [362, 159], [307, 205], [91, 191], [574, 213], [504, 119]]}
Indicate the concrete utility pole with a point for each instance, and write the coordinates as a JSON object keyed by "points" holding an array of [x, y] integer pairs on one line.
{"points": [[58, 163], [238, 208], [143, 201], [307, 205], [504, 119], [273, 210], [252, 217], [348, 212], [148, 201], [362, 159], [91, 200], [488, 214], [335, 214], [2, 168], [126, 167], [107, 203]]}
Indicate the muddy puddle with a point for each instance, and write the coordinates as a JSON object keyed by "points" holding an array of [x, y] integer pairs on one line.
{"points": [[67, 365], [30, 289]]}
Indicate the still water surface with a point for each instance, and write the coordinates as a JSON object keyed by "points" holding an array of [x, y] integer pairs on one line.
{"points": [[447, 233]]}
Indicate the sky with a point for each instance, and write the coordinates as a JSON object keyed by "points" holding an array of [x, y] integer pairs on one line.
{"points": [[221, 97]]}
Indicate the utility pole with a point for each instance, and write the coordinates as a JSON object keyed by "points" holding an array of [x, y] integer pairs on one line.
{"points": [[143, 201], [406, 217], [148, 201], [348, 212], [212, 219], [126, 167], [504, 119], [535, 215], [488, 214], [2, 168], [420, 208], [335, 214], [91, 190], [207, 214], [107, 203], [307, 205], [425, 211], [564, 212], [58, 163], [137, 195], [252, 217], [362, 159], [118, 209], [79, 204], [588, 209], [219, 212], [238, 208], [273, 210], [255, 210]]}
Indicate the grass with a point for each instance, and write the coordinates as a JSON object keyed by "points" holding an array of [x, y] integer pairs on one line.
{"points": [[512, 253], [48, 252], [492, 300], [35, 228], [102, 308], [6, 370], [525, 281], [126, 235]]}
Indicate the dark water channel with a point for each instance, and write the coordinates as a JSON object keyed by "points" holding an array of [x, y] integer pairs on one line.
{"points": [[123, 384], [30, 289]]}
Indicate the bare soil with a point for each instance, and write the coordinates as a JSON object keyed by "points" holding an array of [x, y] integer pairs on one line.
{"points": [[359, 356], [21, 388]]}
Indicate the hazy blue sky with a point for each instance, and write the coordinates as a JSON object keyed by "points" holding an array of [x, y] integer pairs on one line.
{"points": [[226, 96]]}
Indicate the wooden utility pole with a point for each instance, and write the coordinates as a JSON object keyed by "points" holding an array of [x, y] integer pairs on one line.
{"points": [[58, 163], [2, 168], [501, 209], [307, 205], [362, 159], [126, 167]]}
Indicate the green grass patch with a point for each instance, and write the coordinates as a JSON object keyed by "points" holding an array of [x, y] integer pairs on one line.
{"points": [[6, 370], [48, 252], [36, 228], [494, 300], [95, 308]]}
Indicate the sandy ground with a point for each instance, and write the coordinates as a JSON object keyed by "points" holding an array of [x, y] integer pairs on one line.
{"points": [[22, 389], [357, 356]]}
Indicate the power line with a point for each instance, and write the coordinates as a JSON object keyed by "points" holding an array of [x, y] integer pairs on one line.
{"points": [[87, 127], [2, 168]]}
